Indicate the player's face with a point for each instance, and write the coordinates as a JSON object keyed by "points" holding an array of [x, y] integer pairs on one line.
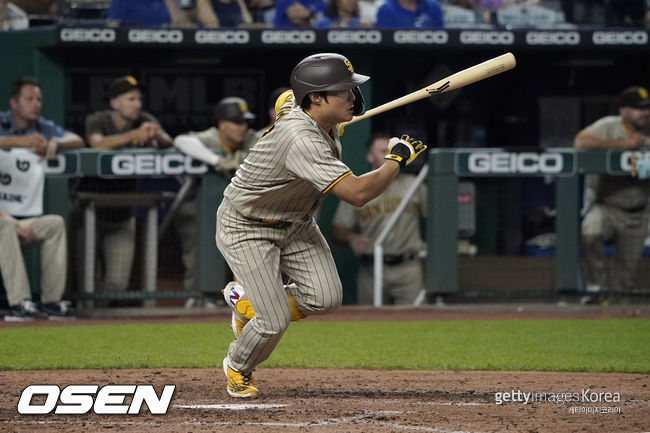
{"points": [[233, 132], [639, 118], [341, 104], [378, 149], [27, 105], [128, 104]]}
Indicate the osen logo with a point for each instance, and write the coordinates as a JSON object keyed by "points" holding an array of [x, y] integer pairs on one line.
{"points": [[506, 163], [80, 399]]}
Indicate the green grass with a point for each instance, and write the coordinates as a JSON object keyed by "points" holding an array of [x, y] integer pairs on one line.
{"points": [[608, 345]]}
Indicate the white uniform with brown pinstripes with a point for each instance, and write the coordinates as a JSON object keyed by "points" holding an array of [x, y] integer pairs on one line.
{"points": [[284, 178]]}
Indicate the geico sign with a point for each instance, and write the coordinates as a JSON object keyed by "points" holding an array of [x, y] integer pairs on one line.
{"points": [[626, 158], [80, 399], [525, 163], [552, 38], [56, 165], [354, 37], [156, 36], [288, 37], [620, 38], [490, 38], [222, 37], [88, 35], [148, 164], [421, 37]]}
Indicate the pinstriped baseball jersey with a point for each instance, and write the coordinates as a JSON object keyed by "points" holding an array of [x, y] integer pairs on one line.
{"points": [[282, 181], [289, 171]]}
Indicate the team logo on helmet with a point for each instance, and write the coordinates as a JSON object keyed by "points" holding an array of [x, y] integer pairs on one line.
{"points": [[131, 80], [349, 65], [643, 93], [242, 107]]}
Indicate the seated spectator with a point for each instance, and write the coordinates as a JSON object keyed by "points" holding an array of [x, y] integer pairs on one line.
{"points": [[298, 14], [26, 139], [124, 125], [262, 11], [146, 13], [368, 10], [341, 14], [488, 8], [408, 14], [12, 17], [222, 13]]}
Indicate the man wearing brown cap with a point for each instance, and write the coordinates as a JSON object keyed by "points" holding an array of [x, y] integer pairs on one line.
{"points": [[125, 125], [223, 147], [619, 210]]}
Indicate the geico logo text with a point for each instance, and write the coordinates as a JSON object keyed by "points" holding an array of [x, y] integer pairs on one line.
{"points": [[421, 37], [525, 162], [147, 164], [80, 399]]}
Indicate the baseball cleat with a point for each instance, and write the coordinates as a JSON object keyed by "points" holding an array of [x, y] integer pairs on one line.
{"points": [[240, 385], [242, 310]]}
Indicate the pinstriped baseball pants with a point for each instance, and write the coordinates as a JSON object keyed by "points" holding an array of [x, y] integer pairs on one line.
{"points": [[257, 253]]}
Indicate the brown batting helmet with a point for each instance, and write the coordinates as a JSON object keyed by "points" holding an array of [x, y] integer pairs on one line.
{"points": [[327, 71]]}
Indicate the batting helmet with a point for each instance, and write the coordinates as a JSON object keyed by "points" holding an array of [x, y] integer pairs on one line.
{"points": [[327, 71]]}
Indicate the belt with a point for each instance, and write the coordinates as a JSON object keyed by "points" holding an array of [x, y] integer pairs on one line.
{"points": [[276, 224], [389, 259]]}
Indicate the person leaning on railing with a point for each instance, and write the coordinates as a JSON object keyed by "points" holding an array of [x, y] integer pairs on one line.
{"points": [[26, 141], [618, 212]]}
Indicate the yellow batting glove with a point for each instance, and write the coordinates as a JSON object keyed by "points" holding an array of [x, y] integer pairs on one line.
{"points": [[404, 150]]}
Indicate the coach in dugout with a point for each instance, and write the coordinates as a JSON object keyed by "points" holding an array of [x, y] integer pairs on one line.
{"points": [[125, 125], [618, 210], [223, 147], [26, 141]]}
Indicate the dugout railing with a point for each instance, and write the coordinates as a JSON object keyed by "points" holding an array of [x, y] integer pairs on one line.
{"points": [[153, 166], [565, 166]]}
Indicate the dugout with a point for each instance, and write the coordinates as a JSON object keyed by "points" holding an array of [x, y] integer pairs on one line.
{"points": [[564, 80]]}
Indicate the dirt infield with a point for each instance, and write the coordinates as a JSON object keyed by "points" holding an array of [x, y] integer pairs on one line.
{"points": [[332, 400]]}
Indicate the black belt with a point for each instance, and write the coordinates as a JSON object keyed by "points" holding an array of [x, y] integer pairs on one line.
{"points": [[276, 224], [389, 259]]}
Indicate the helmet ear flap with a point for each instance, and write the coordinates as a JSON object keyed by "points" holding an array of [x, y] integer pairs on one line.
{"points": [[359, 103]]}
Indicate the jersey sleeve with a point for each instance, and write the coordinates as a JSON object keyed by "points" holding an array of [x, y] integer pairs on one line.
{"points": [[310, 158], [93, 125], [601, 128], [210, 138]]}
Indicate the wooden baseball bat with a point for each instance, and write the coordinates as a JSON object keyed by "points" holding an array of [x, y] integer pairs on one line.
{"points": [[484, 70]]}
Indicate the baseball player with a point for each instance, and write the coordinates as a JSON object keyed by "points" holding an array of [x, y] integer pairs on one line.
{"points": [[619, 211], [265, 225], [403, 278]]}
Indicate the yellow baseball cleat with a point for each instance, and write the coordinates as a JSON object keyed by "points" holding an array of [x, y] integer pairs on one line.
{"points": [[240, 385], [242, 310]]}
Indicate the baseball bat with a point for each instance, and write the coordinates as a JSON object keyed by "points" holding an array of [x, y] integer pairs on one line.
{"points": [[484, 70]]}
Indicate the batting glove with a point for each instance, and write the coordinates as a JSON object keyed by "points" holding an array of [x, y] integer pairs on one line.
{"points": [[404, 150]]}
